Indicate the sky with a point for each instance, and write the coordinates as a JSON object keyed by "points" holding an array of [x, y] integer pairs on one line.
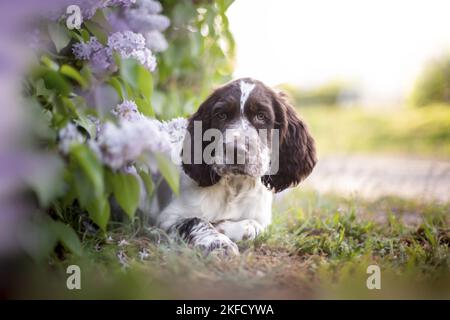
{"points": [[379, 45]]}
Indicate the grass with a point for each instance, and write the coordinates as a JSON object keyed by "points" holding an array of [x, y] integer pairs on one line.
{"points": [[412, 131], [319, 246]]}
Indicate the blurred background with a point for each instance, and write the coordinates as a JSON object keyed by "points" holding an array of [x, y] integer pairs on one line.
{"points": [[370, 78]]}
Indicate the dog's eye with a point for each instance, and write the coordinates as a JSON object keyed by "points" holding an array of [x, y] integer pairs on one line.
{"points": [[221, 116], [261, 116]]}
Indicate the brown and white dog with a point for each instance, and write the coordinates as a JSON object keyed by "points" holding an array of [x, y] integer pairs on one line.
{"points": [[223, 200]]}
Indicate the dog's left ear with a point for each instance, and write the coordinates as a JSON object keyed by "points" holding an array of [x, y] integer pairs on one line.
{"points": [[297, 151]]}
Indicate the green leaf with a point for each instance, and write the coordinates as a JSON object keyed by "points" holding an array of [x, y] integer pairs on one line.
{"points": [[59, 35], [41, 90], [41, 239], [76, 36], [169, 171], [97, 31], [87, 125], [148, 182], [47, 182], [100, 19], [145, 107], [137, 79], [115, 83], [85, 35], [126, 190], [100, 212], [129, 69], [53, 80], [129, 92], [73, 74], [68, 237], [49, 63], [86, 73], [145, 82], [90, 168]]}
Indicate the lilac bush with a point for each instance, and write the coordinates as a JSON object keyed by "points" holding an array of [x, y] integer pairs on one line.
{"points": [[97, 99]]}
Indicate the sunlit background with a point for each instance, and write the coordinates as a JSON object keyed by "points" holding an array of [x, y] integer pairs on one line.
{"points": [[380, 47]]}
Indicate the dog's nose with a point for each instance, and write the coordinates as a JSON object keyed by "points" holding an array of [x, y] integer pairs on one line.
{"points": [[235, 153]]}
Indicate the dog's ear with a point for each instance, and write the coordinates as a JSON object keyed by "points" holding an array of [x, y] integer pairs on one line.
{"points": [[297, 152], [195, 166]]}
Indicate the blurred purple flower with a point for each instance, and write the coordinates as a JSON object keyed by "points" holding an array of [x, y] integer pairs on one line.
{"points": [[85, 50], [124, 3], [156, 41], [132, 45], [127, 111], [34, 39], [102, 60], [151, 6], [68, 136], [117, 23], [141, 19], [128, 44], [88, 7]]}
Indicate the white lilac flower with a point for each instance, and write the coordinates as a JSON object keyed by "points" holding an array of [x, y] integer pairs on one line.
{"points": [[110, 144], [124, 144], [85, 50], [68, 136], [127, 111], [132, 45], [146, 58], [156, 41], [175, 129], [125, 43], [95, 148], [137, 137]]}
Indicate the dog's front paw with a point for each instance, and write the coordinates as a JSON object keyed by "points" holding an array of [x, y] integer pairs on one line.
{"points": [[220, 245], [247, 229], [202, 234], [251, 230]]}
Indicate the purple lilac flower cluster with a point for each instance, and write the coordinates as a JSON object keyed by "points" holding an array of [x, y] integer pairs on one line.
{"points": [[144, 17], [127, 111], [127, 44], [121, 145]]}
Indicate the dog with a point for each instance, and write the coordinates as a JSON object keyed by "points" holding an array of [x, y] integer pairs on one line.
{"points": [[223, 200]]}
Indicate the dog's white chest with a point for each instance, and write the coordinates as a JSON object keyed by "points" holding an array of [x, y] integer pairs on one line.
{"points": [[233, 198]]}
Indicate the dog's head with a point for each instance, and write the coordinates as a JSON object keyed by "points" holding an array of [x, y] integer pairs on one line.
{"points": [[246, 128]]}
